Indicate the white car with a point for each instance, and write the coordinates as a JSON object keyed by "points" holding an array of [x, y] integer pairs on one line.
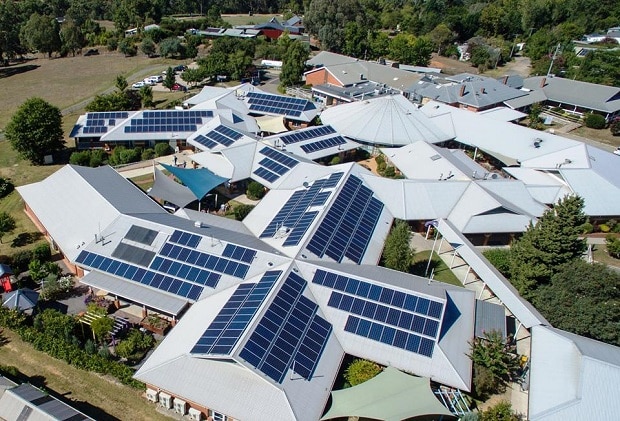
{"points": [[138, 85], [617, 150], [149, 81], [156, 79]]}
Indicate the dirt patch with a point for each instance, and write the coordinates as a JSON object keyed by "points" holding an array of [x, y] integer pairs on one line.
{"points": [[451, 66]]}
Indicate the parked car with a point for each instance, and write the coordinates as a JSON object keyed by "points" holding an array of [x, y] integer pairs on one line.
{"points": [[138, 85], [92, 52], [149, 81], [180, 68], [156, 78], [179, 87], [617, 150]]}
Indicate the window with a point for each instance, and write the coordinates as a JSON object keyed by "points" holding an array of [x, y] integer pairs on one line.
{"points": [[217, 416]]}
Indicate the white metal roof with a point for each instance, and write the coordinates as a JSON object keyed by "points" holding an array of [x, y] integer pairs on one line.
{"points": [[572, 377], [389, 120]]}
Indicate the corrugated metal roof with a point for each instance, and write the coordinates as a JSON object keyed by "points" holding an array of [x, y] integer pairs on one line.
{"points": [[489, 317], [27, 402]]}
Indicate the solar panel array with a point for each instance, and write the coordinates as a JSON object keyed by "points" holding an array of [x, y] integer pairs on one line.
{"points": [[274, 165], [225, 330], [239, 253], [395, 318], [294, 216], [106, 116], [168, 121], [276, 104], [290, 334], [221, 135], [141, 235], [348, 226], [137, 274], [196, 258], [185, 238], [307, 134], [323, 144], [97, 123]]}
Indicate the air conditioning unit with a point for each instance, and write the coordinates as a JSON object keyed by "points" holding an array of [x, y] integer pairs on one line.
{"points": [[165, 400], [152, 395], [180, 406], [195, 414]]}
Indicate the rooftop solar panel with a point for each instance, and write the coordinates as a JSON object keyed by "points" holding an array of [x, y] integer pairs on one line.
{"points": [[277, 104], [202, 260], [289, 335], [323, 144], [133, 254], [307, 134], [140, 275], [239, 253], [185, 238], [226, 329], [274, 165], [349, 224], [141, 235]]}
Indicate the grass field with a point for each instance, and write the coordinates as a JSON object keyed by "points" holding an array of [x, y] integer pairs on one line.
{"points": [[442, 271], [66, 82], [100, 397], [249, 20]]}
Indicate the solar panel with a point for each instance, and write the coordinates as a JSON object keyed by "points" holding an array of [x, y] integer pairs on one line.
{"points": [[202, 260], [274, 165], [406, 301], [136, 274], [294, 218], [289, 335], [225, 330], [185, 238], [239, 253], [323, 144], [348, 225], [307, 134], [277, 104], [141, 235], [390, 336], [206, 141], [133, 254]]}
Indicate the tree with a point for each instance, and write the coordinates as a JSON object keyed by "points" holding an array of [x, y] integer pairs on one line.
{"points": [[214, 64], [293, 63], [544, 247], [121, 83], [614, 127], [238, 64], [169, 79], [441, 36], [500, 258], [594, 121], [71, 37], [127, 47], [534, 115], [501, 411], [613, 245], [193, 76], [355, 40], [7, 224], [146, 94], [170, 47], [360, 371], [115, 101], [101, 327], [397, 253], [41, 33], [492, 356], [6, 187], [584, 299], [148, 47], [255, 190], [327, 20], [35, 130], [241, 211]]}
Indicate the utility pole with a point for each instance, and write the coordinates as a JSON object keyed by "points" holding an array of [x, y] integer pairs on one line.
{"points": [[555, 53]]}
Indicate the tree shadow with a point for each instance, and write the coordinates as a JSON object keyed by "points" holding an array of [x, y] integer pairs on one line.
{"points": [[16, 70], [26, 238], [3, 339], [418, 268]]}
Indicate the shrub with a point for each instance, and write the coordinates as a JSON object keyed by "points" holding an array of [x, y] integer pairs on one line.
{"points": [[128, 156], [615, 127], [42, 252], [20, 261], [81, 158], [586, 228], [500, 258], [360, 371], [604, 228], [255, 190], [485, 383], [148, 154], [98, 157], [335, 161], [242, 211], [6, 187], [594, 121], [162, 149], [613, 245]]}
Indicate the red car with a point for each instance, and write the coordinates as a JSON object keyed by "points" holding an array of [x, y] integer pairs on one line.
{"points": [[179, 87]]}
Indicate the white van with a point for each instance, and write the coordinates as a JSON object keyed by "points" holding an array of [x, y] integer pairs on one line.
{"points": [[155, 79]]}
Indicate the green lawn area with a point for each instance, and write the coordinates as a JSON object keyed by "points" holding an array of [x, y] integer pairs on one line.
{"points": [[599, 254], [249, 20], [145, 182], [442, 272]]}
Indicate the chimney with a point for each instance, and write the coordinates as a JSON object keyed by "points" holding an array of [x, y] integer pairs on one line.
{"points": [[482, 91], [362, 76], [462, 93], [505, 81], [543, 82]]}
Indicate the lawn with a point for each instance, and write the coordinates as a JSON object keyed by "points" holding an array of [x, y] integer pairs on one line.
{"points": [[70, 81], [235, 20], [442, 272], [145, 182], [95, 395], [600, 255]]}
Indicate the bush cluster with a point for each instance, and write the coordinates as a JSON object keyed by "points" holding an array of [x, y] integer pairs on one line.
{"points": [[90, 158], [6, 187], [594, 121]]}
